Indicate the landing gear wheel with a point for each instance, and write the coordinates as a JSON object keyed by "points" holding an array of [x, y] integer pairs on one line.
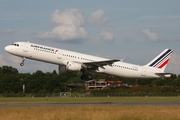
{"points": [[21, 64], [83, 77], [89, 77]]}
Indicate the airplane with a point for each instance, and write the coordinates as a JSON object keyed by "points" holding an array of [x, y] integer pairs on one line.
{"points": [[75, 61]]}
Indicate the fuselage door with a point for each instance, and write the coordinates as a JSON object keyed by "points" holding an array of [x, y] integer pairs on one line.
{"points": [[143, 72], [59, 55], [25, 49]]}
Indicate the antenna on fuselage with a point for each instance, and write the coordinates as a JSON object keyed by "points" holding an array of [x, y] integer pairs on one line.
{"points": [[121, 60]]}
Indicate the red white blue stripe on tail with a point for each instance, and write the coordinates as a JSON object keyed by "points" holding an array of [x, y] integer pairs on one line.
{"points": [[161, 60]]}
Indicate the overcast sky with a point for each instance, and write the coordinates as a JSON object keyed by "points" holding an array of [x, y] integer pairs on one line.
{"points": [[133, 30]]}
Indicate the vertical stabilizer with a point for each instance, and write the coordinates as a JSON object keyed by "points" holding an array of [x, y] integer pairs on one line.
{"points": [[160, 62]]}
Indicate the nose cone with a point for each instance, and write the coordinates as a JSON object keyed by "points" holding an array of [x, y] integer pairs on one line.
{"points": [[8, 48]]}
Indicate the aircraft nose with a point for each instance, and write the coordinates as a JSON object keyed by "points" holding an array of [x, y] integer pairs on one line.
{"points": [[7, 48]]}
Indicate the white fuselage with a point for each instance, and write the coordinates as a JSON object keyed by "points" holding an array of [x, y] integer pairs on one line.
{"points": [[60, 56]]}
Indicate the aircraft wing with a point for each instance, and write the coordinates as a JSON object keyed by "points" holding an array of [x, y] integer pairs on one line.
{"points": [[97, 64], [101, 63]]}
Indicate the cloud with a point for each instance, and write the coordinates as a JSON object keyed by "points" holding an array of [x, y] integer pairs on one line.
{"points": [[68, 17], [64, 33], [7, 31], [152, 36], [9, 60], [98, 17], [162, 17], [174, 64], [2, 61], [177, 38], [107, 36], [29, 66], [68, 26]]}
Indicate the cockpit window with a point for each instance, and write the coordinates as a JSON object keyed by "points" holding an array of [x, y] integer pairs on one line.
{"points": [[16, 45]]}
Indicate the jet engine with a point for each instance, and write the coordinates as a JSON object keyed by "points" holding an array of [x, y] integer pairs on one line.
{"points": [[73, 66]]}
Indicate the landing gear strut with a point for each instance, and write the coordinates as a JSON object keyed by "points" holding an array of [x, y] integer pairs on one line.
{"points": [[22, 63]]}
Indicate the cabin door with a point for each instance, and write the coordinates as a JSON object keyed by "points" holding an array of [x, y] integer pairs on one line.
{"points": [[59, 55], [25, 49], [143, 72]]}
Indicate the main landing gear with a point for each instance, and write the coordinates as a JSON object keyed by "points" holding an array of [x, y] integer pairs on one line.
{"points": [[22, 63], [86, 77]]}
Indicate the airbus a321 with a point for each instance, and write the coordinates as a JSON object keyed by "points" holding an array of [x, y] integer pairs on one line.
{"points": [[75, 61]]}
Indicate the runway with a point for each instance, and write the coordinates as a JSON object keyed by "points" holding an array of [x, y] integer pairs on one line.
{"points": [[169, 103]]}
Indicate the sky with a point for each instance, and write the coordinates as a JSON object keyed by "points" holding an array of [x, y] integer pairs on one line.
{"points": [[133, 30]]}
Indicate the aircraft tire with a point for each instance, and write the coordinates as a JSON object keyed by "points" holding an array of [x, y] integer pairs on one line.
{"points": [[83, 77], [21, 64], [89, 77]]}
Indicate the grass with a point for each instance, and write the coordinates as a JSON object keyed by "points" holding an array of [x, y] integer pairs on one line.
{"points": [[91, 113], [85, 99]]}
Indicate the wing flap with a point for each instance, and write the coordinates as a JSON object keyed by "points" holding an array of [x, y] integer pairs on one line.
{"points": [[97, 64], [102, 63]]}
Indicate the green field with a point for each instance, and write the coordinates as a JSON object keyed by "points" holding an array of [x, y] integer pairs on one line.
{"points": [[89, 112], [85, 99]]}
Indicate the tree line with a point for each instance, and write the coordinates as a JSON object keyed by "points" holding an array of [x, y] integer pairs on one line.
{"points": [[11, 81]]}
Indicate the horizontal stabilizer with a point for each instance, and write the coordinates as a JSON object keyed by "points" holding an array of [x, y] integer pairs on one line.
{"points": [[164, 74]]}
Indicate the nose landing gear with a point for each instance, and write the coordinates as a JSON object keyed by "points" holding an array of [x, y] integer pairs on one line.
{"points": [[22, 63]]}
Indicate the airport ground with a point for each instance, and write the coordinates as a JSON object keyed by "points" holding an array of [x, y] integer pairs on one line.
{"points": [[90, 108]]}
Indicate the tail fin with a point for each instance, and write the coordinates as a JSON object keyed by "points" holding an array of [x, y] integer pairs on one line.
{"points": [[160, 62]]}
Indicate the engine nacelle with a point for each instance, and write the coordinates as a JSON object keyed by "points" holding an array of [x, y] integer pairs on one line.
{"points": [[73, 66]]}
